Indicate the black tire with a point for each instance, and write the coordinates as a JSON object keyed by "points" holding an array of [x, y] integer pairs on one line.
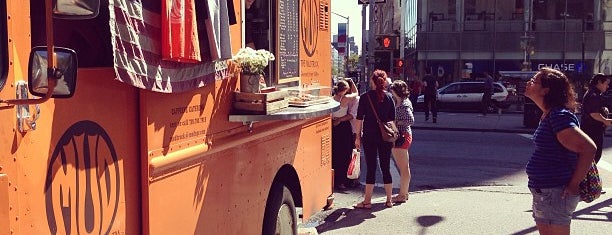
{"points": [[280, 216]]}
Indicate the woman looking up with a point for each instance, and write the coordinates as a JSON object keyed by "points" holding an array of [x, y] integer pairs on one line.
{"points": [[562, 156]]}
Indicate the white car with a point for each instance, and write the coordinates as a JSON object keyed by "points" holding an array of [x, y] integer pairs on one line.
{"points": [[467, 95]]}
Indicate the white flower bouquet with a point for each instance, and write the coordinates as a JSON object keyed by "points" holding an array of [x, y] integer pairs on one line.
{"points": [[253, 61]]}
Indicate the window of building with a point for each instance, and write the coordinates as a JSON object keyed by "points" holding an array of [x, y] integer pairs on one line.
{"points": [[452, 8], [3, 46], [470, 7], [562, 9]]}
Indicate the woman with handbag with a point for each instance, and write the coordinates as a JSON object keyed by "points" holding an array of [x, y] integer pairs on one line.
{"points": [[563, 153], [375, 104], [404, 118]]}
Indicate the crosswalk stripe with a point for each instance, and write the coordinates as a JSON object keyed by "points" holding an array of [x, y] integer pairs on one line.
{"points": [[604, 165], [528, 136]]}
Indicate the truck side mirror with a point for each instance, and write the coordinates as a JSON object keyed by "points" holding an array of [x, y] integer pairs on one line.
{"points": [[76, 9], [65, 73]]}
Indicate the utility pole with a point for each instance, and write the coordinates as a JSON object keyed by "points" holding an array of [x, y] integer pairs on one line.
{"points": [[348, 47], [402, 35], [371, 36], [364, 54]]}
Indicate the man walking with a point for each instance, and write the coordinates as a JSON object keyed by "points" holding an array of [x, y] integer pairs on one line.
{"points": [[431, 95], [487, 93]]}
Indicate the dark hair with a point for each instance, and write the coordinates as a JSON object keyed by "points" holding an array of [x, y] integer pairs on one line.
{"points": [[400, 88], [379, 77], [561, 92], [596, 79], [340, 86], [348, 83]]}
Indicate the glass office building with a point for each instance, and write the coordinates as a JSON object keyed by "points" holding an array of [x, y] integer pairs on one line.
{"points": [[460, 39]]}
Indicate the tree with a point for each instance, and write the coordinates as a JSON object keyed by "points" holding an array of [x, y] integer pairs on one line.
{"points": [[353, 61], [334, 71]]}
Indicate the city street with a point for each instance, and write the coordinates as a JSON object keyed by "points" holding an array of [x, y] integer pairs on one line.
{"points": [[464, 182]]}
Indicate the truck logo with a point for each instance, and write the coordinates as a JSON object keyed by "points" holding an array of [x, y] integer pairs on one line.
{"points": [[83, 182], [309, 25]]}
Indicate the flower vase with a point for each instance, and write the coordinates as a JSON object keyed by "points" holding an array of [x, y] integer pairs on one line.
{"points": [[249, 82]]}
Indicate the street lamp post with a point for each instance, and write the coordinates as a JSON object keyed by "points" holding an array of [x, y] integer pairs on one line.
{"points": [[348, 49]]}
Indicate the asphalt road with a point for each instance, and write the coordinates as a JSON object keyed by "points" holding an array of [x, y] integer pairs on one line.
{"points": [[463, 183]]}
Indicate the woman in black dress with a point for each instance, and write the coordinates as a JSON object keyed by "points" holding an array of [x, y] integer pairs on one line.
{"points": [[594, 118]]}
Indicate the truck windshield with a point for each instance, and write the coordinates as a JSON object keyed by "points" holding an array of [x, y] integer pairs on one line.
{"points": [[90, 38], [3, 46]]}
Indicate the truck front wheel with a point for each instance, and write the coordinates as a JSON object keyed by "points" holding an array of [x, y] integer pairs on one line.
{"points": [[280, 215]]}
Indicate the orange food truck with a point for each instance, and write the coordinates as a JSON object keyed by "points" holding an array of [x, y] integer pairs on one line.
{"points": [[132, 126]]}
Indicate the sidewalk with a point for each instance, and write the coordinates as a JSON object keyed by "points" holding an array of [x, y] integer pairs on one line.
{"points": [[505, 122], [454, 210], [465, 210]]}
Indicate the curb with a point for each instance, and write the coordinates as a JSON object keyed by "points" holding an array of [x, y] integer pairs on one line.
{"points": [[528, 131]]}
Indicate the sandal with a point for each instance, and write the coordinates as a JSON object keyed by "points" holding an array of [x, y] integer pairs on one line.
{"points": [[400, 198], [363, 205], [389, 204]]}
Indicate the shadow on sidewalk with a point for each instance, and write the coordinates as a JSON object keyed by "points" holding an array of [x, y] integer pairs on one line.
{"points": [[587, 213]]}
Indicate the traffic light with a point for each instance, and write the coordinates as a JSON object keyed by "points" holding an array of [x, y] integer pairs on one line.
{"points": [[386, 42], [398, 63], [398, 66]]}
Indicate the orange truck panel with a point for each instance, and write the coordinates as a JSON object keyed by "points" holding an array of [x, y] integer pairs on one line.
{"points": [[116, 159]]}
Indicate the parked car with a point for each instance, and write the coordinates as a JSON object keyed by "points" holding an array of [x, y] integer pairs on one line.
{"points": [[467, 96]]}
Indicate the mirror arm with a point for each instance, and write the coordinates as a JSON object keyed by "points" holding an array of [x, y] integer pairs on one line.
{"points": [[52, 84], [55, 75]]}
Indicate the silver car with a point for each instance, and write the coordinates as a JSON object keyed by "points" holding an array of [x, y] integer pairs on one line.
{"points": [[468, 95]]}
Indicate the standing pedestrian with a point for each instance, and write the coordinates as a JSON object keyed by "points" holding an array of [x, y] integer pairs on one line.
{"points": [[352, 109], [342, 135], [374, 147], [487, 93], [416, 87], [594, 119], [431, 95], [404, 118], [562, 156]]}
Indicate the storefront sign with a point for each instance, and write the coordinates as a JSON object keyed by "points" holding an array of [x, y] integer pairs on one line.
{"points": [[560, 67]]}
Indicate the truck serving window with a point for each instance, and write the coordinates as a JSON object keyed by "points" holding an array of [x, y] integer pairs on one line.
{"points": [[274, 26], [89, 38], [3, 46]]}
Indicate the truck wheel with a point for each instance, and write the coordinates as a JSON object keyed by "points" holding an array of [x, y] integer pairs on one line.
{"points": [[280, 216]]}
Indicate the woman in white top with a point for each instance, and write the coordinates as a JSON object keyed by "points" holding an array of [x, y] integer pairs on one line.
{"points": [[342, 135]]}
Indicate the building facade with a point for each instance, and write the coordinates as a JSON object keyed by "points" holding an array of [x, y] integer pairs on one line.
{"points": [[460, 39]]}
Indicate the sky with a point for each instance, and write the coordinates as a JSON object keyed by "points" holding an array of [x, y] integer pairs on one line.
{"points": [[352, 10]]}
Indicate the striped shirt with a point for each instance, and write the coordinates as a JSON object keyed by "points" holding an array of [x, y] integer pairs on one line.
{"points": [[551, 164]]}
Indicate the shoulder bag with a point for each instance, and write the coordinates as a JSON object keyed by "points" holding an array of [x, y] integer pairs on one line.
{"points": [[388, 130], [590, 187]]}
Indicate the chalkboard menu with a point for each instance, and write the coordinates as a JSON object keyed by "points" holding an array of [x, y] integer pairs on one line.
{"points": [[288, 38]]}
